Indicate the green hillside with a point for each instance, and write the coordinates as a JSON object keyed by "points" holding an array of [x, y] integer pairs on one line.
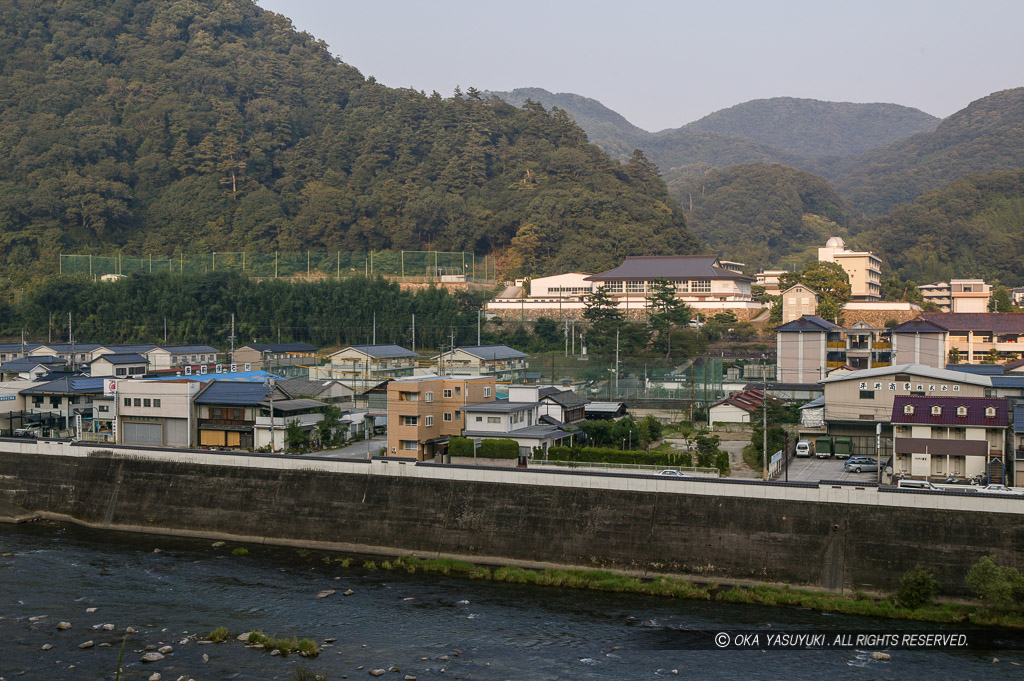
{"points": [[811, 128], [763, 214], [212, 125], [986, 136], [973, 227]]}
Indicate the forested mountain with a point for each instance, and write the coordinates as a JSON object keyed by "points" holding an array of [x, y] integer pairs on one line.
{"points": [[763, 214], [813, 129], [986, 136], [161, 125], [973, 227]]}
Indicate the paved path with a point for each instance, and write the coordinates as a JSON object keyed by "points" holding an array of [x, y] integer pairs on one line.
{"points": [[358, 449]]}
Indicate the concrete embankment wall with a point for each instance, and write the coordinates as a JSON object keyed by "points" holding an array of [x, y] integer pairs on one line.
{"points": [[832, 536]]}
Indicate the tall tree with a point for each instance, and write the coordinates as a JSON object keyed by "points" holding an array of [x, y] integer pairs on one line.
{"points": [[666, 311]]}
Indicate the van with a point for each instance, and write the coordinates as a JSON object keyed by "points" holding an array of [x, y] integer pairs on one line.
{"points": [[916, 484], [804, 448]]}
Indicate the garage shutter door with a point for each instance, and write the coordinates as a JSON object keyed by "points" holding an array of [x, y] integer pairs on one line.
{"points": [[176, 431], [147, 434]]}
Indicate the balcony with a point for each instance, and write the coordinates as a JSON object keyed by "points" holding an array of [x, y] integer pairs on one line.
{"points": [[881, 345], [836, 344]]}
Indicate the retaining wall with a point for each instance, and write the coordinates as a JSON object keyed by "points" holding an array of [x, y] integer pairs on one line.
{"points": [[837, 536]]}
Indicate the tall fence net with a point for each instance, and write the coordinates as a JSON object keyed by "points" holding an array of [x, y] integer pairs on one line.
{"points": [[406, 265]]}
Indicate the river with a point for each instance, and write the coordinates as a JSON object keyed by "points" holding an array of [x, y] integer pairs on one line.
{"points": [[427, 626]]}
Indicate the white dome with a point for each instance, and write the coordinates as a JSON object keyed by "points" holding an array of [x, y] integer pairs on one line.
{"points": [[835, 242]]}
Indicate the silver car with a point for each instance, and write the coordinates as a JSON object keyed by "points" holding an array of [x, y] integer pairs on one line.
{"points": [[860, 464]]}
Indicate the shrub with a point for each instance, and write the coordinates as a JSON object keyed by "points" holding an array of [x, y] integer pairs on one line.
{"points": [[218, 635], [460, 446], [498, 448], [917, 587], [995, 585], [239, 551], [606, 455], [307, 648]]}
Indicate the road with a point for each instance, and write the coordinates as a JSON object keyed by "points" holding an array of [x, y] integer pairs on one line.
{"points": [[815, 469]]}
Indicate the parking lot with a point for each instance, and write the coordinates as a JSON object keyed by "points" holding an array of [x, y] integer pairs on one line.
{"points": [[815, 469]]}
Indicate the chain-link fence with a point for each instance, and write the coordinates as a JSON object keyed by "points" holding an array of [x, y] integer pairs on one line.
{"points": [[406, 265]]}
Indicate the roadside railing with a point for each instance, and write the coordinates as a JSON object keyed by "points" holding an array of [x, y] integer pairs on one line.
{"points": [[638, 467]]}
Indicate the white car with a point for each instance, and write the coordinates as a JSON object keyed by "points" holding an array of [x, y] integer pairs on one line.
{"points": [[999, 489], [672, 473]]}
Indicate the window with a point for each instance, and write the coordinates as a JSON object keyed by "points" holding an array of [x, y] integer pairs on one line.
{"points": [[682, 286], [487, 392], [908, 409], [700, 286], [409, 445], [613, 286], [429, 397], [447, 417], [458, 391], [138, 401], [962, 411], [635, 286], [103, 408], [408, 397], [127, 401], [121, 371], [479, 419], [215, 412], [446, 393], [428, 420], [458, 415], [990, 412], [55, 401], [493, 419], [410, 420], [867, 394], [147, 402], [936, 410]]}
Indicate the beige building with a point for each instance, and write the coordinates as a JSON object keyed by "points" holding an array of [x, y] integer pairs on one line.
{"points": [[424, 412], [153, 413], [920, 342], [938, 295], [969, 295], [974, 337], [798, 301], [364, 366], [771, 281], [273, 356], [863, 267]]}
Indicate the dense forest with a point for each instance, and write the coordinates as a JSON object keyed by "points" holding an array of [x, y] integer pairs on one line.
{"points": [[198, 308], [985, 137], [813, 129], [205, 125], [973, 227], [763, 214]]}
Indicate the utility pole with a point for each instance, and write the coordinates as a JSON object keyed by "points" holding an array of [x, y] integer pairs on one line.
{"points": [[71, 339], [616, 362], [49, 330], [565, 332], [479, 313], [764, 423], [231, 338], [414, 332], [165, 330], [374, 327]]}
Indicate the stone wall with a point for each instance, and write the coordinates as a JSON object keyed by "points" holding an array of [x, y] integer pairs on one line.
{"points": [[877, 318], [490, 516]]}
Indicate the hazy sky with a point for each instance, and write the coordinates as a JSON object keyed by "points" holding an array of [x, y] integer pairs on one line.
{"points": [[664, 64]]}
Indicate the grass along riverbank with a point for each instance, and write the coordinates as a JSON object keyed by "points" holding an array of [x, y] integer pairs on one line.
{"points": [[857, 603]]}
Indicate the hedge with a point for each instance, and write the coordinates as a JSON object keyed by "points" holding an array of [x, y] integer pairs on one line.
{"points": [[460, 446], [608, 455], [493, 448]]}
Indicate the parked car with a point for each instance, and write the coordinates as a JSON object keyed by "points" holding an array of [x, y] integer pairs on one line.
{"points": [[917, 484], [804, 448], [1000, 489], [28, 432], [670, 472], [859, 464]]}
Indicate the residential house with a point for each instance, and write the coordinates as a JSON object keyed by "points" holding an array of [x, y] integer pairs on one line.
{"points": [[499, 361], [227, 411], [119, 365], [176, 357], [862, 267], [331, 391], [798, 301], [9, 351], [275, 417], [150, 413], [424, 412], [364, 366], [13, 406], [64, 398], [516, 418], [277, 358], [31, 368], [75, 354], [562, 406], [981, 337], [605, 411], [920, 342], [942, 436], [856, 401], [743, 407]]}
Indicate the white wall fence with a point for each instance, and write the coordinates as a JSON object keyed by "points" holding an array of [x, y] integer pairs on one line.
{"points": [[830, 492]]}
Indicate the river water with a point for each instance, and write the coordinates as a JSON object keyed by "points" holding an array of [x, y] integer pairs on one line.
{"points": [[428, 626]]}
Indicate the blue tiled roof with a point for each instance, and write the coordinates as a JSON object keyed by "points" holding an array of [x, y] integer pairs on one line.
{"points": [[1008, 381], [384, 351], [233, 392], [69, 385], [229, 376], [186, 349], [808, 322], [123, 358], [492, 351], [977, 369], [26, 363]]}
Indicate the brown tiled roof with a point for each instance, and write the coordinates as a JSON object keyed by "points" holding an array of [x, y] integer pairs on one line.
{"points": [[975, 411], [997, 322]]}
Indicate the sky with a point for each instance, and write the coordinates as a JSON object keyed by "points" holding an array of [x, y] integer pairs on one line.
{"points": [[663, 64]]}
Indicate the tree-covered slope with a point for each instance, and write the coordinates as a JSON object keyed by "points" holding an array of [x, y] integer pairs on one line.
{"points": [[974, 227], [763, 214], [812, 128], [986, 136], [162, 125]]}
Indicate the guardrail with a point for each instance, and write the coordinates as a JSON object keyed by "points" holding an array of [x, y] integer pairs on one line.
{"points": [[595, 465]]}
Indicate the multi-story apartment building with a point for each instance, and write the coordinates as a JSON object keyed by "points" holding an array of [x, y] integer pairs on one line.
{"points": [[500, 361], [863, 267], [969, 295], [771, 281], [987, 336], [809, 347], [424, 412], [364, 366]]}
